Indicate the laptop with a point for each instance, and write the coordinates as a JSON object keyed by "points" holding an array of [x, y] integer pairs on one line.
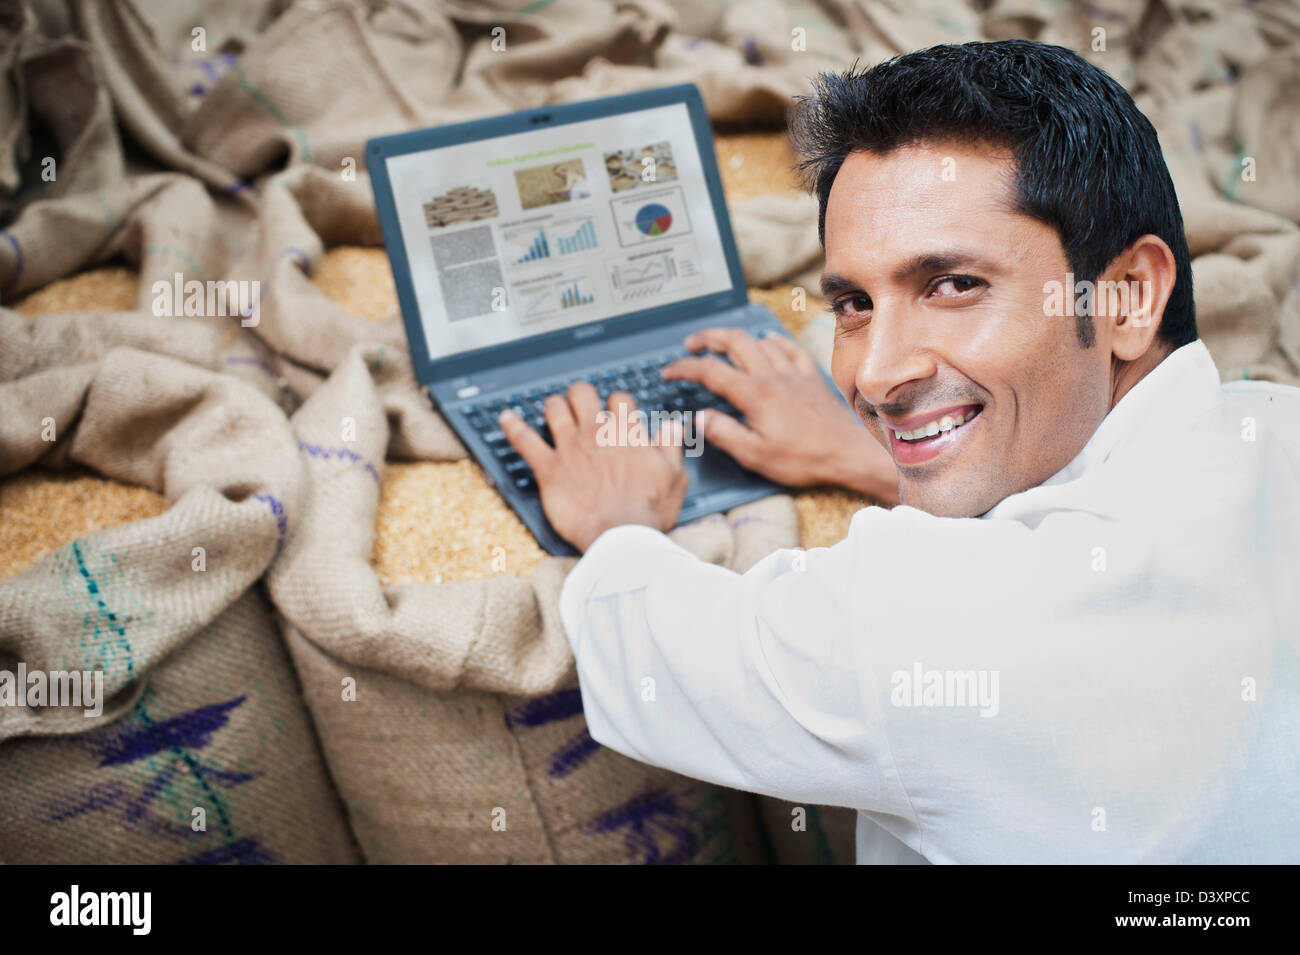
{"points": [[582, 241]]}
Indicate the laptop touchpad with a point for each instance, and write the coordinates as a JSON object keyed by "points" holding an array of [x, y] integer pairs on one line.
{"points": [[711, 470]]}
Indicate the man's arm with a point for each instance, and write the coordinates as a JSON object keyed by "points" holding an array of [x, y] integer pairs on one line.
{"points": [[745, 680]]}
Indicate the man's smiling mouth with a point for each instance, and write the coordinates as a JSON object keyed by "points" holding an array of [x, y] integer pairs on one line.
{"points": [[922, 437], [936, 426]]}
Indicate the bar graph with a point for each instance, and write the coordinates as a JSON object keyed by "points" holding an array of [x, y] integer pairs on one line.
{"points": [[573, 296], [581, 239], [538, 248]]}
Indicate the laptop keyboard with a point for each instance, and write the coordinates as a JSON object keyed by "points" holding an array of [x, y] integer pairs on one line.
{"points": [[641, 378]]}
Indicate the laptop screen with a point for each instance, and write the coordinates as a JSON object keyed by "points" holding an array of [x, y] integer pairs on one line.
{"points": [[537, 231]]}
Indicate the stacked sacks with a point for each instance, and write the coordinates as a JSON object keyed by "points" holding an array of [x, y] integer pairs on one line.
{"points": [[449, 713], [202, 750]]}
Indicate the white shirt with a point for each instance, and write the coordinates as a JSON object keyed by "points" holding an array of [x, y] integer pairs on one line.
{"points": [[1134, 623]]}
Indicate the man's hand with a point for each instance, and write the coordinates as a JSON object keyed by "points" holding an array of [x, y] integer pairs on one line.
{"points": [[797, 431], [588, 487]]}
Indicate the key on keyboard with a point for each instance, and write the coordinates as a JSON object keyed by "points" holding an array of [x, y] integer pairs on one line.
{"points": [[640, 378]]}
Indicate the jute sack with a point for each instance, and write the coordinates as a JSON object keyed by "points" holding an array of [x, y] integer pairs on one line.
{"points": [[809, 835], [200, 709], [196, 255], [52, 84], [449, 713], [219, 727]]}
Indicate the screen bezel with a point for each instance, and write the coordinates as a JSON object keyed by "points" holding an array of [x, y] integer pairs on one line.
{"points": [[429, 370]]}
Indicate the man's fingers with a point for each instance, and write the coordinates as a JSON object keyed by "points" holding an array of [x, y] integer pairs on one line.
{"points": [[714, 374], [530, 445], [621, 400], [736, 343], [626, 415], [797, 355], [730, 435], [586, 404], [560, 418], [669, 440]]}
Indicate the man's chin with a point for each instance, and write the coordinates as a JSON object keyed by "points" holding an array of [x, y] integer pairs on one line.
{"points": [[950, 498]]}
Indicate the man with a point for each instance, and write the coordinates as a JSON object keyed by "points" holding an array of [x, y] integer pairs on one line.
{"points": [[1078, 637]]}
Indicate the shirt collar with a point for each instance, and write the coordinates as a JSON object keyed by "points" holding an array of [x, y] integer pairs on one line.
{"points": [[1180, 388]]}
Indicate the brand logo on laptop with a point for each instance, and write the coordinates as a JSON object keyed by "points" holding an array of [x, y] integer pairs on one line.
{"points": [[589, 331]]}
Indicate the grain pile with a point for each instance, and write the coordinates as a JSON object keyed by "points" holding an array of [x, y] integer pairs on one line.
{"points": [[43, 511], [110, 289]]}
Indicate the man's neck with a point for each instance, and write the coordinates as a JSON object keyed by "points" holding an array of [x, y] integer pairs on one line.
{"points": [[1125, 374]]}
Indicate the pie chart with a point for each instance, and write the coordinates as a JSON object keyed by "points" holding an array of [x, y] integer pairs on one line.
{"points": [[653, 219]]}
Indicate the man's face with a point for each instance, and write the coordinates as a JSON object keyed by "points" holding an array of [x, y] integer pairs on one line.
{"points": [[938, 289]]}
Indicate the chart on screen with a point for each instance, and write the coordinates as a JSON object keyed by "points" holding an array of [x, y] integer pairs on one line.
{"points": [[641, 219], [642, 275]]}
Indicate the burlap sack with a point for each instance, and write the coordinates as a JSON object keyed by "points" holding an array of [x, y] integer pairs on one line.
{"points": [[218, 726], [200, 709], [52, 85], [446, 708], [809, 835]]}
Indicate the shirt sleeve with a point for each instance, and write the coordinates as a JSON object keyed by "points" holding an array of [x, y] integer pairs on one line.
{"points": [[744, 680]]}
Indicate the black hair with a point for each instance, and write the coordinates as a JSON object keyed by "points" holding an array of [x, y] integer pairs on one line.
{"points": [[1088, 162]]}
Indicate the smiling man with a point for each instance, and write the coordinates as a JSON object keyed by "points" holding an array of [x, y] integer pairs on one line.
{"points": [[1078, 636]]}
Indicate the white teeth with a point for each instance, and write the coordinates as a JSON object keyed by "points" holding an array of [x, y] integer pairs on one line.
{"points": [[931, 428]]}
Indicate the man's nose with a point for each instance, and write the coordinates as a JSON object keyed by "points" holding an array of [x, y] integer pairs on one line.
{"points": [[895, 355]]}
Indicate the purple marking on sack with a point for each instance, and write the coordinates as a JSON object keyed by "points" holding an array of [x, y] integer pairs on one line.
{"points": [[19, 260], [343, 454], [546, 709], [641, 817], [188, 730], [235, 187], [573, 754], [1101, 13], [281, 519], [245, 851], [1197, 143], [97, 798], [137, 813], [304, 260], [753, 55], [254, 305], [254, 362]]}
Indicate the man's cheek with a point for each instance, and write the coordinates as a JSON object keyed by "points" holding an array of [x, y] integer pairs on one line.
{"points": [[844, 366]]}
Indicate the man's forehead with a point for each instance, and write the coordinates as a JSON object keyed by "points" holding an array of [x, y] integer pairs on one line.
{"points": [[928, 201], [923, 177]]}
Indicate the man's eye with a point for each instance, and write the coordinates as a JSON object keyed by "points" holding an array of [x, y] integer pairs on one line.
{"points": [[851, 305], [951, 285]]}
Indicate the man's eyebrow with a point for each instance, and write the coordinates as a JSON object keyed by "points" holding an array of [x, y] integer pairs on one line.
{"points": [[936, 262], [926, 262], [833, 284]]}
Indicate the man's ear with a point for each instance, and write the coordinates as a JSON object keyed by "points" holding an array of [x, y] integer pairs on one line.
{"points": [[1144, 275]]}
